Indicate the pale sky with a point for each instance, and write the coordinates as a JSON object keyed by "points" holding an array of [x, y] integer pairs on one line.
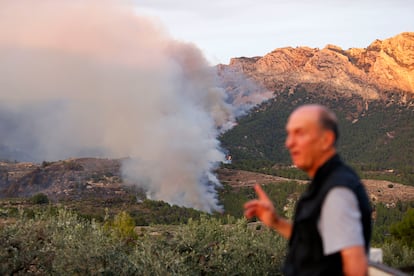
{"points": [[223, 29]]}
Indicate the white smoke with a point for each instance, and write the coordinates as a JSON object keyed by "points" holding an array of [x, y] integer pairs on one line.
{"points": [[92, 78], [242, 92]]}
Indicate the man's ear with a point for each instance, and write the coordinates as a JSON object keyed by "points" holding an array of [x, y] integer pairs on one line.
{"points": [[328, 139]]}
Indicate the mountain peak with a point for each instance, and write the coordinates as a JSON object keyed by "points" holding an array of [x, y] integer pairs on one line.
{"points": [[385, 65]]}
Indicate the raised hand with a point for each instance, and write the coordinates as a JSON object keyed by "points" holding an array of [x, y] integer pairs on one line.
{"points": [[263, 209]]}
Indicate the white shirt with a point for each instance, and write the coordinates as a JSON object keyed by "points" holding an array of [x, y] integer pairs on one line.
{"points": [[340, 223]]}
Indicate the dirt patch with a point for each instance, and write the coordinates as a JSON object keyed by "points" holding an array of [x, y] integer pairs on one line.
{"points": [[378, 190], [388, 192], [239, 178]]}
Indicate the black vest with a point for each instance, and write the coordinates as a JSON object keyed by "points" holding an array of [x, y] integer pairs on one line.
{"points": [[305, 255]]}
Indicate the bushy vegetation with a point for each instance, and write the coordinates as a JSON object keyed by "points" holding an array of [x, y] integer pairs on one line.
{"points": [[161, 212], [398, 255], [58, 242], [403, 230], [385, 217], [282, 194], [392, 232], [39, 198], [143, 212], [50, 240], [123, 226]]}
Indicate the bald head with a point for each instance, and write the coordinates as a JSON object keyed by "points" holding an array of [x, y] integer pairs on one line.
{"points": [[324, 117]]}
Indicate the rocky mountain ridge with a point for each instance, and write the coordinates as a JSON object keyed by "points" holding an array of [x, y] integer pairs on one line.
{"points": [[384, 66]]}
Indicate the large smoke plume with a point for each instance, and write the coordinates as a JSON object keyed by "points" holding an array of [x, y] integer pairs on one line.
{"points": [[92, 78]]}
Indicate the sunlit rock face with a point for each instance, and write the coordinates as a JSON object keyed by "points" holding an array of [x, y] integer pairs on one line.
{"points": [[386, 65]]}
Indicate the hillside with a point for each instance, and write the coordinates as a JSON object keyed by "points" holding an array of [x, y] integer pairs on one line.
{"points": [[370, 89], [373, 135], [384, 131], [67, 179], [87, 178]]}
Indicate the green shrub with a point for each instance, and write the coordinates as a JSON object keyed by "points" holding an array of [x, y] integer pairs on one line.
{"points": [[122, 226], [39, 198], [207, 247], [398, 255], [404, 229], [233, 249], [61, 244]]}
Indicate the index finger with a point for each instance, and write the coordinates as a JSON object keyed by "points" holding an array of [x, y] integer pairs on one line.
{"points": [[260, 193]]}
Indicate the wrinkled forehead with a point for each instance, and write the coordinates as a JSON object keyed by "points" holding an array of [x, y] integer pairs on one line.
{"points": [[303, 118]]}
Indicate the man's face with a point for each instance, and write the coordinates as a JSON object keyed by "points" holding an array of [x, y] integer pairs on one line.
{"points": [[305, 140]]}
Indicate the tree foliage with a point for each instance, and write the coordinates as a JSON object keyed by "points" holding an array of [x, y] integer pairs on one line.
{"points": [[50, 240], [404, 230], [39, 198], [123, 226], [64, 244]]}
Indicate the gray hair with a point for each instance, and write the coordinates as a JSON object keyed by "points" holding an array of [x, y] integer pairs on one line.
{"points": [[329, 121]]}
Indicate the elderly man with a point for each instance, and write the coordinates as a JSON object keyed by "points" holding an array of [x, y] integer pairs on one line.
{"points": [[331, 229]]}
